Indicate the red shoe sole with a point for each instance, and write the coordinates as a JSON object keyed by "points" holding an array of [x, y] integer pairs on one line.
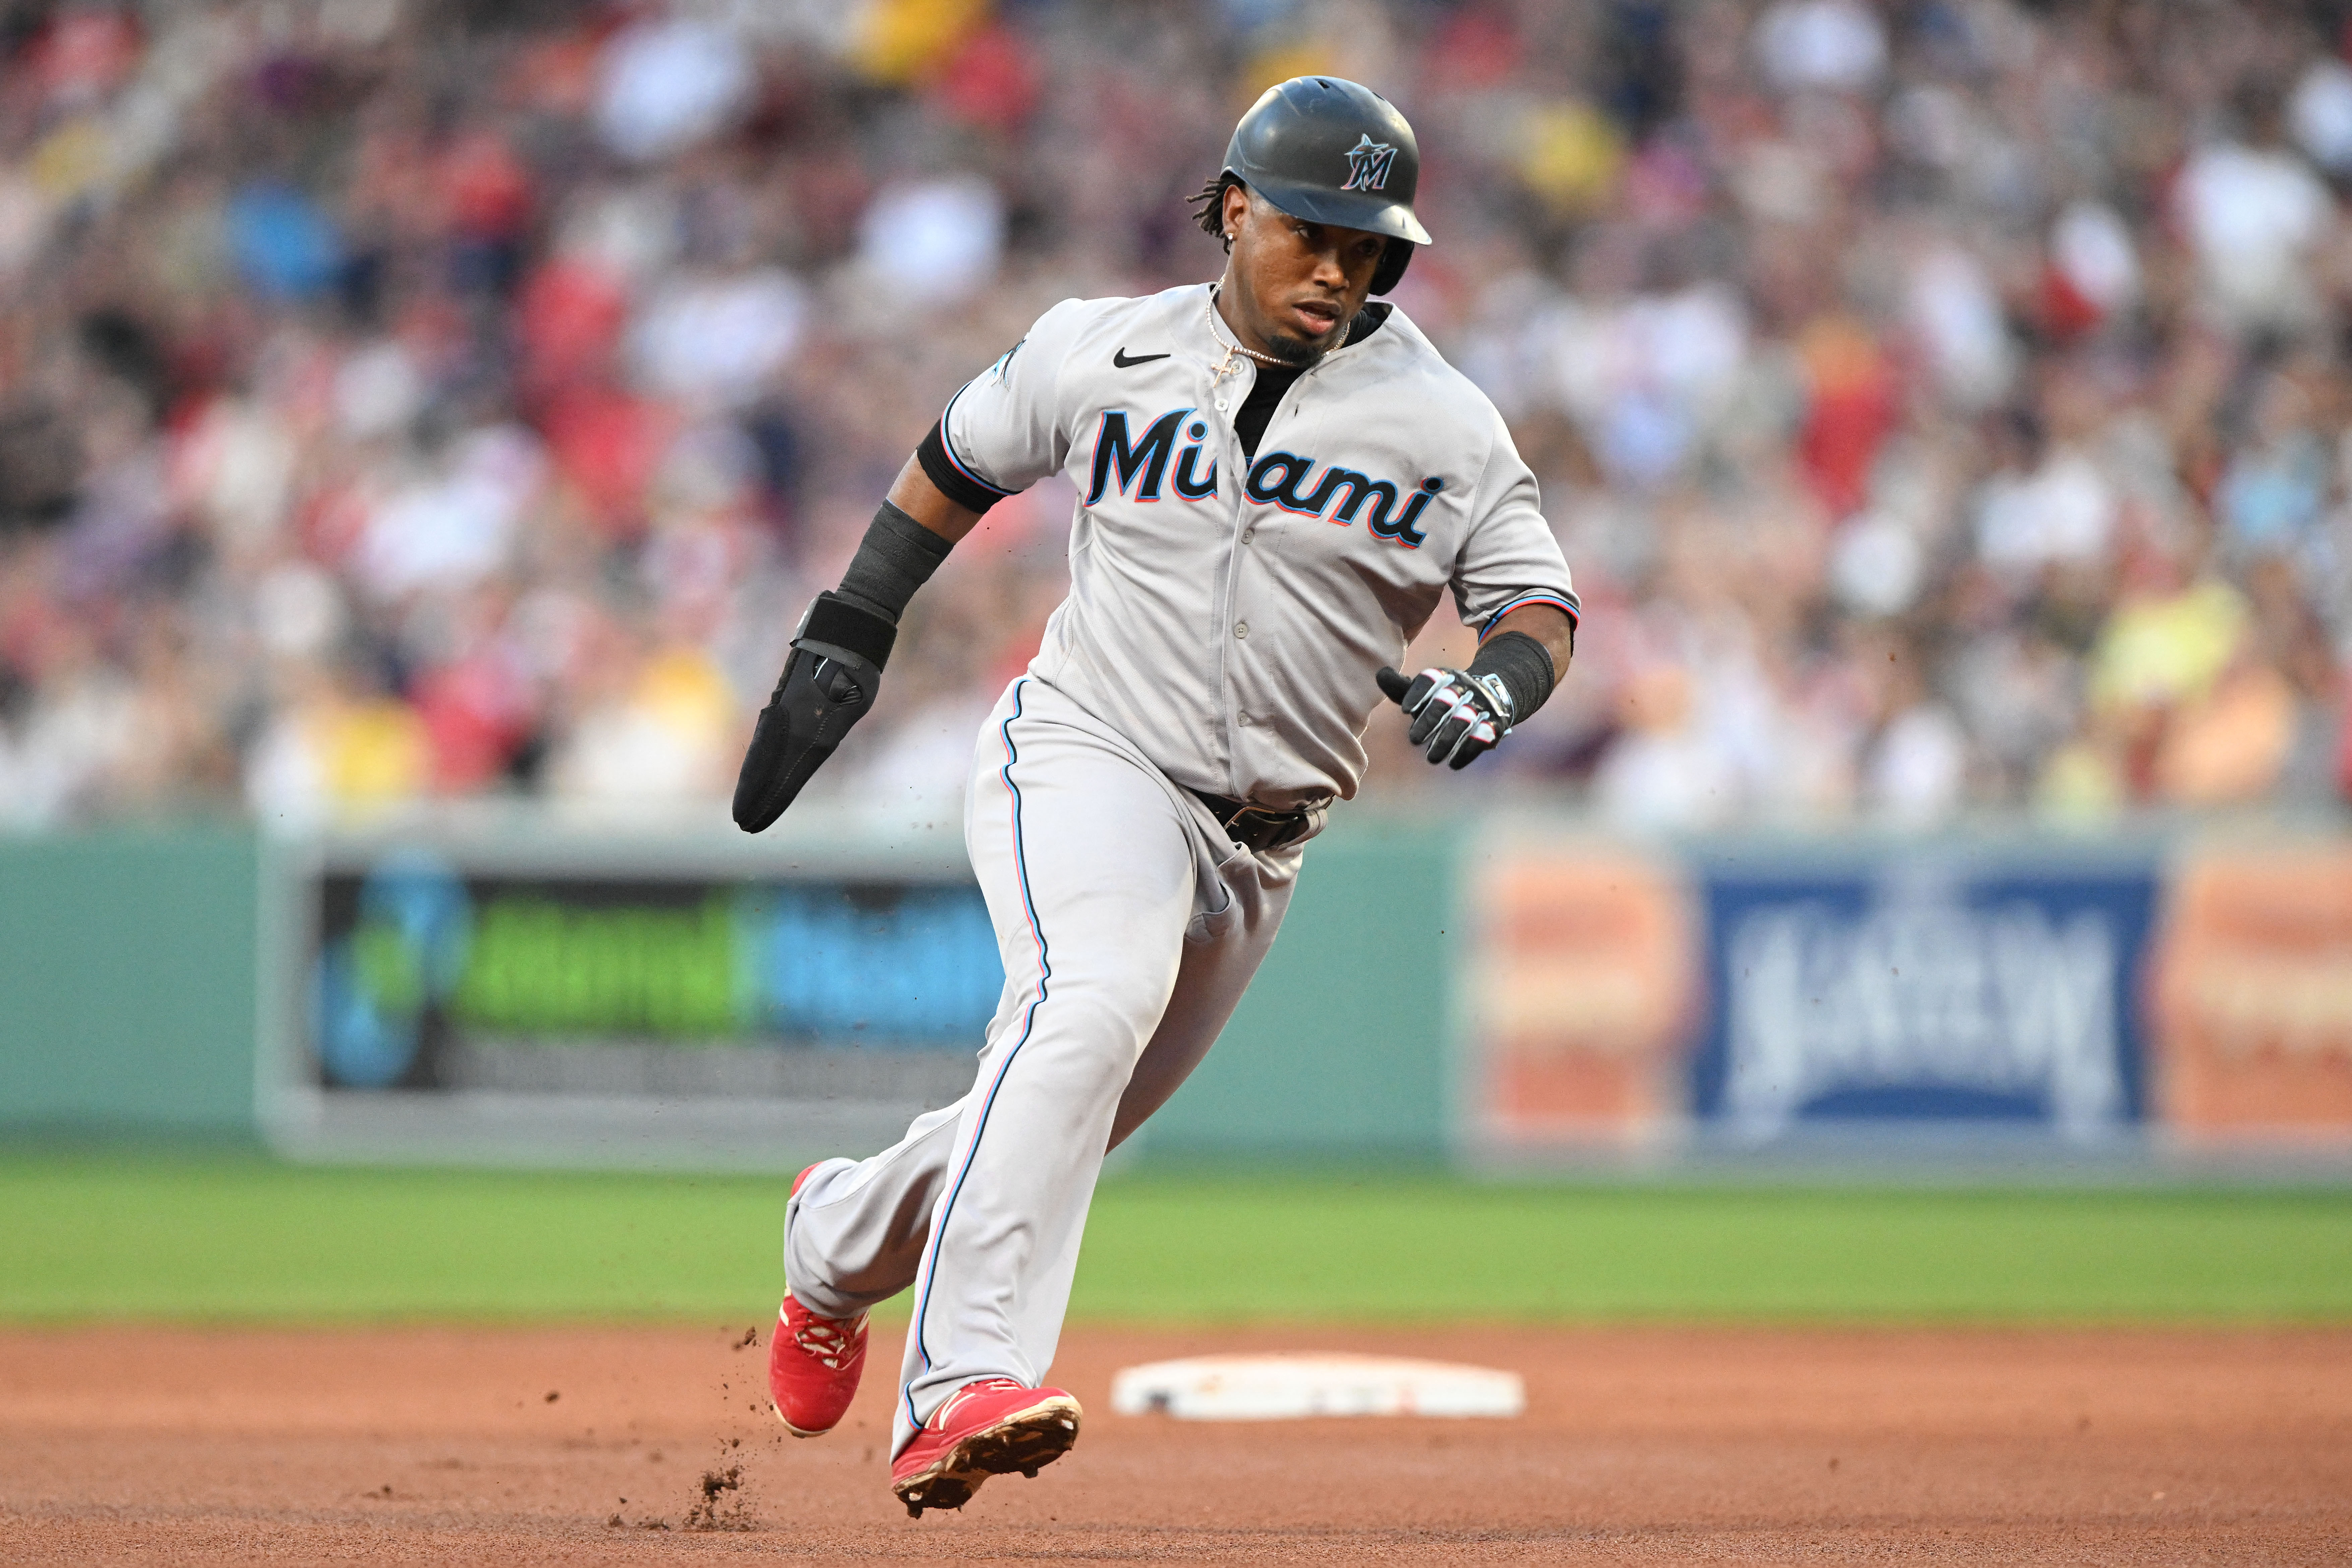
{"points": [[1025, 1442], [796, 1431]]}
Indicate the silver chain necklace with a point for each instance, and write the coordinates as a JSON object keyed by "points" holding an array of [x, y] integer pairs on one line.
{"points": [[1229, 365]]}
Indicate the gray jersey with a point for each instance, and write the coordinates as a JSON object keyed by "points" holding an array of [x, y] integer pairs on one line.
{"points": [[1227, 615]]}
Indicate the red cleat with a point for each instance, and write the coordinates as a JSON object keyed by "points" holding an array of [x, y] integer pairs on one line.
{"points": [[814, 1363], [991, 1427]]}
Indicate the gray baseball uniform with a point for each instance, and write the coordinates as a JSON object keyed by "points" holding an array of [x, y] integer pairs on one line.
{"points": [[1227, 613]]}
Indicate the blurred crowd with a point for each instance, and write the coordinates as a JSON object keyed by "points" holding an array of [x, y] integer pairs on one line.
{"points": [[1946, 405]]}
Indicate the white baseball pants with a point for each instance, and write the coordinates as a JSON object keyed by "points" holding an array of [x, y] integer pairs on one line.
{"points": [[1129, 925]]}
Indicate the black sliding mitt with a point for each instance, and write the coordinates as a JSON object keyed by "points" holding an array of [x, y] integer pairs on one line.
{"points": [[829, 682]]}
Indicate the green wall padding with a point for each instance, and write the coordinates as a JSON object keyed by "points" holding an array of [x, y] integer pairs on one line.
{"points": [[128, 980]]}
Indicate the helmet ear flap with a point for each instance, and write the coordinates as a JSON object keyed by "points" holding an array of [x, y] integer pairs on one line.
{"points": [[1393, 261]]}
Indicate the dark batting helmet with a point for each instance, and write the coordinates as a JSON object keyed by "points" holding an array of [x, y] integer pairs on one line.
{"points": [[1333, 152]]}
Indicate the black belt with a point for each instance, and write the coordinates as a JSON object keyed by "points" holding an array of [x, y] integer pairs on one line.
{"points": [[1254, 826]]}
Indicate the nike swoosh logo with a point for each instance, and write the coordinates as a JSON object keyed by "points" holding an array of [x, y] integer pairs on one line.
{"points": [[1119, 358]]}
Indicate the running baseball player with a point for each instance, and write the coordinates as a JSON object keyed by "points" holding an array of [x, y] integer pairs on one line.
{"points": [[1276, 482]]}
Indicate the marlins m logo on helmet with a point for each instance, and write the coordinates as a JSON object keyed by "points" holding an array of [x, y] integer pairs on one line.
{"points": [[1367, 165]]}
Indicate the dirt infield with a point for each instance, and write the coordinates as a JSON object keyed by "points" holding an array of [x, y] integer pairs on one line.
{"points": [[1640, 1445]]}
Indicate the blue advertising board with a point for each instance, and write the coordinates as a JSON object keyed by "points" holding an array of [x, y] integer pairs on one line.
{"points": [[1920, 989]]}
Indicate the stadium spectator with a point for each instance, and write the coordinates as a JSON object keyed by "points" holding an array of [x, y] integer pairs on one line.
{"points": [[1944, 406]]}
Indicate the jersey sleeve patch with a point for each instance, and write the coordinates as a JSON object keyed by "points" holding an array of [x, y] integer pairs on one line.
{"points": [[955, 480]]}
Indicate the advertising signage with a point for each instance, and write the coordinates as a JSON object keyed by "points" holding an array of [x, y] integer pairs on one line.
{"points": [[1898, 992], [420, 968], [2254, 998], [1581, 995], [451, 1001], [1748, 994]]}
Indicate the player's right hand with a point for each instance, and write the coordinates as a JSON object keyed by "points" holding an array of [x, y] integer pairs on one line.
{"points": [[828, 684], [1456, 719]]}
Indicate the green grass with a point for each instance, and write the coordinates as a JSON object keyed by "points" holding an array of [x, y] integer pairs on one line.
{"points": [[239, 1238]]}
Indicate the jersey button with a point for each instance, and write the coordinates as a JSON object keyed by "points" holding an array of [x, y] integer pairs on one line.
{"points": [[1248, 534], [1241, 628], [1243, 721]]}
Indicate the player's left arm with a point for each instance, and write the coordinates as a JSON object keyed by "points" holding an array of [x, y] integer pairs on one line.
{"points": [[1511, 582], [1548, 624]]}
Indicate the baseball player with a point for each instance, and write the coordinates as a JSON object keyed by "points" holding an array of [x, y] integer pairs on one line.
{"points": [[1276, 482]]}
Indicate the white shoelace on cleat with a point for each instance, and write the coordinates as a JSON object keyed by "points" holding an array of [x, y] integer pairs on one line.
{"points": [[826, 1339]]}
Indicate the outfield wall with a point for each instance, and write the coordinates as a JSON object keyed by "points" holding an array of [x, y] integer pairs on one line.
{"points": [[131, 981], [1512, 990]]}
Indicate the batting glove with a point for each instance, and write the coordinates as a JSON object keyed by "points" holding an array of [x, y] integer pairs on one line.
{"points": [[1456, 716]]}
